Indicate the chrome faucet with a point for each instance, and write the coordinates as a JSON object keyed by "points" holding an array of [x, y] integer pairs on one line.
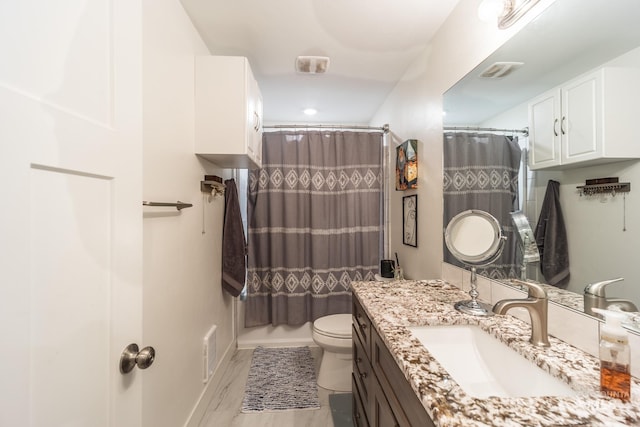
{"points": [[536, 305], [596, 296]]}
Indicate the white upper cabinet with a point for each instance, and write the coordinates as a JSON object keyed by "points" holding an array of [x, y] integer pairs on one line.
{"points": [[228, 112], [544, 132], [586, 121]]}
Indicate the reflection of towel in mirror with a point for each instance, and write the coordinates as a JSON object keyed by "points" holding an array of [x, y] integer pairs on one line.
{"points": [[234, 248], [551, 238]]}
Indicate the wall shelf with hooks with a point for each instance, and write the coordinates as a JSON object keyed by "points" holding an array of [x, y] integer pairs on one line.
{"points": [[611, 188], [215, 188], [606, 186], [211, 187]]}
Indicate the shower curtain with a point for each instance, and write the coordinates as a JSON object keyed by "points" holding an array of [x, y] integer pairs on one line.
{"points": [[315, 224], [481, 172]]}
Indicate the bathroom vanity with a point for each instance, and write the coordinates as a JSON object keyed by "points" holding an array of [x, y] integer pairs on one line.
{"points": [[397, 381]]}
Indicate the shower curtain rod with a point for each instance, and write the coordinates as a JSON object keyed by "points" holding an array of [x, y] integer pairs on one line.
{"points": [[384, 128], [524, 131]]}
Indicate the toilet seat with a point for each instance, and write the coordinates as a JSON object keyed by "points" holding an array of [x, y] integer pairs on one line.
{"points": [[334, 326]]}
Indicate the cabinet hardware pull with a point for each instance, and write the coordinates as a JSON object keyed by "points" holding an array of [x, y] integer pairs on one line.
{"points": [[363, 375], [555, 122], [562, 125], [256, 121]]}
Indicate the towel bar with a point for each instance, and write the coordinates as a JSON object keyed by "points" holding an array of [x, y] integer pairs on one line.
{"points": [[178, 205]]}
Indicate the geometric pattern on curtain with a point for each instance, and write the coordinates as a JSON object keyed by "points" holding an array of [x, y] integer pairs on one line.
{"points": [[481, 172], [314, 224]]}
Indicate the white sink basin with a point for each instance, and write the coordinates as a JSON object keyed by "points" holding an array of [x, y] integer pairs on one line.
{"points": [[484, 366]]}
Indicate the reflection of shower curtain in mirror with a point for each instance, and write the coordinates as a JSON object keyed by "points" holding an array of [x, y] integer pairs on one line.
{"points": [[481, 172], [315, 224]]}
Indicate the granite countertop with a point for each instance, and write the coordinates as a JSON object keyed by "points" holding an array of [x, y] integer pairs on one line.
{"points": [[392, 306]]}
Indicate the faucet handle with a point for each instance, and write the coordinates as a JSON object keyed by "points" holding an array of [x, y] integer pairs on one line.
{"points": [[597, 289], [534, 290]]}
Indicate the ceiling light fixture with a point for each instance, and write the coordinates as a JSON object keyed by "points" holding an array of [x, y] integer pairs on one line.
{"points": [[504, 12], [310, 111], [491, 10]]}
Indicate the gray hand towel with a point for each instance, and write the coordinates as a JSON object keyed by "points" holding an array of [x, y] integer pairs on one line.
{"points": [[234, 247], [551, 238]]}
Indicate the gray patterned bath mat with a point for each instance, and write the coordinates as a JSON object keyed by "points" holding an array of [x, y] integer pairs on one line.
{"points": [[281, 379]]}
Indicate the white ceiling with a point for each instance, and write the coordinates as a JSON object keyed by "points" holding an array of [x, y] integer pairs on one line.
{"points": [[370, 42]]}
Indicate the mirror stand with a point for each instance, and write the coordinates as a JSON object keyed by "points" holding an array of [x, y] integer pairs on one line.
{"points": [[475, 238], [472, 306]]}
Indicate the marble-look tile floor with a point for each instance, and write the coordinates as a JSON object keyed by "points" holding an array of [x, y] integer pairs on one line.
{"points": [[224, 408]]}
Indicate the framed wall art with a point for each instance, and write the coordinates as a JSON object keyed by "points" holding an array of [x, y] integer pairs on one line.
{"points": [[410, 220], [407, 165]]}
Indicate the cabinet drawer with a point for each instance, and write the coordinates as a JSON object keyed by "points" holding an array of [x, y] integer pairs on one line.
{"points": [[362, 371], [404, 403], [381, 413], [359, 413], [362, 326]]}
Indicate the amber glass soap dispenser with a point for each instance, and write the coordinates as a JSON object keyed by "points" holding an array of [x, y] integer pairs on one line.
{"points": [[615, 371]]}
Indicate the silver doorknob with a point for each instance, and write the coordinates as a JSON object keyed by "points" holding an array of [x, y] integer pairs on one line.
{"points": [[132, 356]]}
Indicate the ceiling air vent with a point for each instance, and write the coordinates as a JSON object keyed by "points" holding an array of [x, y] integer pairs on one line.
{"points": [[500, 69], [312, 64]]}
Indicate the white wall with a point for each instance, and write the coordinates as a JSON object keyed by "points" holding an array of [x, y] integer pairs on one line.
{"points": [[182, 293], [414, 110], [599, 246]]}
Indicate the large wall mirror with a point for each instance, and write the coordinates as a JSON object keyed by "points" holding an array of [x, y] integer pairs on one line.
{"points": [[569, 38]]}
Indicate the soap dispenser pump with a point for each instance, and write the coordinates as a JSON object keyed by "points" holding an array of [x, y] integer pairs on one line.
{"points": [[615, 370]]}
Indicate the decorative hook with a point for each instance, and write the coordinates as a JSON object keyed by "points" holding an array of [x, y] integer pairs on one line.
{"points": [[214, 188]]}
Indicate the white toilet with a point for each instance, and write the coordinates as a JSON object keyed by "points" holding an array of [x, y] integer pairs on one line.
{"points": [[333, 334]]}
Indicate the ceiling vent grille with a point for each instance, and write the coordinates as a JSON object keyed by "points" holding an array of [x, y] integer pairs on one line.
{"points": [[500, 69], [312, 64]]}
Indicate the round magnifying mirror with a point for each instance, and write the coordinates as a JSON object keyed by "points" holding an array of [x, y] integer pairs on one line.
{"points": [[475, 238]]}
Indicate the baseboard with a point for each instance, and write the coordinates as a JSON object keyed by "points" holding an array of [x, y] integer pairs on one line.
{"points": [[200, 408], [281, 342]]}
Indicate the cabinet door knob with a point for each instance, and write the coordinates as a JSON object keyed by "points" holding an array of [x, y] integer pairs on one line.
{"points": [[363, 375]]}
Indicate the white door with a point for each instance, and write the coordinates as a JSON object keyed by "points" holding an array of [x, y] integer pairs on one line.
{"points": [[70, 221]]}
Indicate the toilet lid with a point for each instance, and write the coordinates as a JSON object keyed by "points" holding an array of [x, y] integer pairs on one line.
{"points": [[335, 325]]}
